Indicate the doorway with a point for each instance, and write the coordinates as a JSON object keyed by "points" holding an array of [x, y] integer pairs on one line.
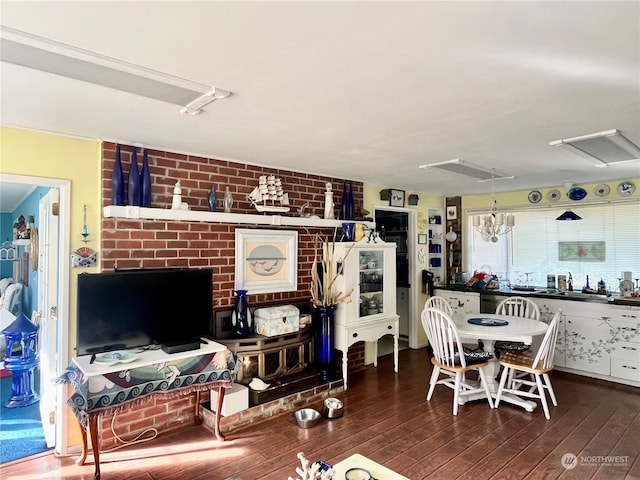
{"points": [[53, 349], [397, 225]]}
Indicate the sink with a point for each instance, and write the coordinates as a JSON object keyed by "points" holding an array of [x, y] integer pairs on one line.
{"points": [[576, 295]]}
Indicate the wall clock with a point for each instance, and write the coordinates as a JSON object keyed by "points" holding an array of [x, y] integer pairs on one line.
{"points": [[626, 188]]}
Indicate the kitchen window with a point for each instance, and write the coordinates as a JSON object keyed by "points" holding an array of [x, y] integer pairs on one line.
{"points": [[539, 243]]}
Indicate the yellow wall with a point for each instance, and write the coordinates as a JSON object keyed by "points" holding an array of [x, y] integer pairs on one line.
{"points": [[30, 153]]}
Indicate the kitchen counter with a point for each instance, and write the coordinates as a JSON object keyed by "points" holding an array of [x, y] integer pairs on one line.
{"points": [[544, 293]]}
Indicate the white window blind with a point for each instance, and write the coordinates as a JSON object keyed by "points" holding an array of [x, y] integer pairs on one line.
{"points": [[603, 244]]}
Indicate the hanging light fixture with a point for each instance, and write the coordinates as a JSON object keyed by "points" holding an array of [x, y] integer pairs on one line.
{"points": [[493, 223], [569, 215]]}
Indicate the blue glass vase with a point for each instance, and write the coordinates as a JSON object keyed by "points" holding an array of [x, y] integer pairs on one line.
{"points": [[134, 190], [241, 316], [350, 207], [145, 181], [117, 181], [212, 200], [323, 322]]}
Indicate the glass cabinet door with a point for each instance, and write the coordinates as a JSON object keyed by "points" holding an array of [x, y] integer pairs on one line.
{"points": [[371, 270]]}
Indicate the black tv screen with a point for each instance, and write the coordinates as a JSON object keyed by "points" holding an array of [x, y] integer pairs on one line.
{"points": [[135, 308]]}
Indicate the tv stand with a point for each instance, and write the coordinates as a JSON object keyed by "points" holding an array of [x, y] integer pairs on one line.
{"points": [[167, 371]]}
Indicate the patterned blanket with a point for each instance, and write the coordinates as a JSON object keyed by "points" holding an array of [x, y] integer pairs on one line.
{"points": [[115, 391]]}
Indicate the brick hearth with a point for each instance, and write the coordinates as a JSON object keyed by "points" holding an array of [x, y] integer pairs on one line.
{"points": [[312, 398]]}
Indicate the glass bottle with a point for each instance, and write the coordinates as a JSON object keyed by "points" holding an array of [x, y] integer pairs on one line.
{"points": [[145, 180], [211, 199], [228, 200], [134, 189], [586, 284], [117, 181], [241, 316]]}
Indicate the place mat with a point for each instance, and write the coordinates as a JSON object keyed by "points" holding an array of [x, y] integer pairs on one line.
{"points": [[488, 322]]}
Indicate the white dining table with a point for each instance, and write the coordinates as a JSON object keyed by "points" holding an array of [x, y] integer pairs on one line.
{"points": [[517, 330]]}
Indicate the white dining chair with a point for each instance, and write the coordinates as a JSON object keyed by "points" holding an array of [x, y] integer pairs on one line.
{"points": [[538, 367], [450, 359], [515, 307], [440, 303]]}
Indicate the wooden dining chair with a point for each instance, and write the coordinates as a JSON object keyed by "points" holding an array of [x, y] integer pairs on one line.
{"points": [[515, 307], [440, 303], [450, 358], [537, 366]]}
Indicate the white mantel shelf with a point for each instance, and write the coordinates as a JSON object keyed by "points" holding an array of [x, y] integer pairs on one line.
{"points": [[113, 211]]}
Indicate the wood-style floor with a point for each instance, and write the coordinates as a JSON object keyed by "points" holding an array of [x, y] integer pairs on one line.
{"points": [[388, 420]]}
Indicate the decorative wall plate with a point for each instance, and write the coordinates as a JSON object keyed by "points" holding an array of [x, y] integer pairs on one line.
{"points": [[626, 188], [602, 190], [534, 196], [576, 193], [554, 195], [84, 257]]}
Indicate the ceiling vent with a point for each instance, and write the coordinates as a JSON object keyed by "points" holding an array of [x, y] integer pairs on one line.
{"points": [[465, 168], [602, 148], [38, 53]]}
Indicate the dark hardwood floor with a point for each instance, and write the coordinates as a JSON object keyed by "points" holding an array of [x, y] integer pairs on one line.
{"points": [[388, 420]]}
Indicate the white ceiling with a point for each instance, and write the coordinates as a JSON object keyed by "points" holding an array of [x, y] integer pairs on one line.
{"points": [[361, 90]]}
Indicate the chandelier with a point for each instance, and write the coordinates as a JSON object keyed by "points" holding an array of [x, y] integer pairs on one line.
{"points": [[493, 223]]}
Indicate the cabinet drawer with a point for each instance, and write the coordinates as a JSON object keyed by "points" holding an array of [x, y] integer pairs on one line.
{"points": [[625, 369], [627, 351]]}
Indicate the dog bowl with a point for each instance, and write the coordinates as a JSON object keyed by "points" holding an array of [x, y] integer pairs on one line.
{"points": [[307, 417], [332, 408]]}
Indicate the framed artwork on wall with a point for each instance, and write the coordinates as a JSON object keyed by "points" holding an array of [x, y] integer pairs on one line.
{"points": [[396, 198], [266, 261], [452, 212]]}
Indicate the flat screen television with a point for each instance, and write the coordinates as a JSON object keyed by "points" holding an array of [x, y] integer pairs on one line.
{"points": [[136, 308]]}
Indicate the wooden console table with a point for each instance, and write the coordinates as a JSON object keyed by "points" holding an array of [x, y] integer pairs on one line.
{"points": [[108, 389]]}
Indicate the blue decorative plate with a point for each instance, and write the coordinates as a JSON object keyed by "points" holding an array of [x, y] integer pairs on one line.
{"points": [[488, 322], [576, 193]]}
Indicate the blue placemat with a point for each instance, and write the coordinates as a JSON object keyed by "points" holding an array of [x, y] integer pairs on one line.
{"points": [[488, 322]]}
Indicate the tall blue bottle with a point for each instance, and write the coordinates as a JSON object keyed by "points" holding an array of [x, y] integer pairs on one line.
{"points": [[343, 207], [241, 316], [145, 179], [134, 191], [117, 181], [350, 203]]}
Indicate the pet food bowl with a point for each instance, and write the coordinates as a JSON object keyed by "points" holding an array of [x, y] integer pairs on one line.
{"points": [[332, 408], [307, 417]]}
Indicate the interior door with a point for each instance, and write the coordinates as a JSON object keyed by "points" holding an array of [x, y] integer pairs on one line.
{"points": [[48, 238]]}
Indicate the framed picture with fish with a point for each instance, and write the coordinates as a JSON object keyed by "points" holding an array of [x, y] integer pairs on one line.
{"points": [[266, 261]]}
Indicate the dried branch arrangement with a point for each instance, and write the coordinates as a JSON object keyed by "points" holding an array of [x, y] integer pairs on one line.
{"points": [[323, 275]]}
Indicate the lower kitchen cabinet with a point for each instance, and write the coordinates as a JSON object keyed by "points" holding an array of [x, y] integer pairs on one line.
{"points": [[461, 302]]}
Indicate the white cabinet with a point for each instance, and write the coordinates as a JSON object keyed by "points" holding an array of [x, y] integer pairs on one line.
{"points": [[625, 333], [596, 338], [461, 302], [369, 269]]}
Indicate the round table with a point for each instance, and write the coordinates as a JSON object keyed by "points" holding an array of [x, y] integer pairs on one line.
{"points": [[517, 330]]}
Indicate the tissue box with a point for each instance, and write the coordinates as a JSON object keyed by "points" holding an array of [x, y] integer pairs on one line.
{"points": [[235, 399], [274, 321]]}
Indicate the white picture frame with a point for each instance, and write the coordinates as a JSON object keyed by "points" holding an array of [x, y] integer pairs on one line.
{"points": [[452, 212], [266, 261]]}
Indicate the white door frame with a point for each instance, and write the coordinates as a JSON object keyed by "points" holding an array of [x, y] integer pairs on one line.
{"points": [[64, 252]]}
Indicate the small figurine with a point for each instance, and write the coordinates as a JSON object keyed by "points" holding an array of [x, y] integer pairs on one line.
{"points": [[329, 206]]}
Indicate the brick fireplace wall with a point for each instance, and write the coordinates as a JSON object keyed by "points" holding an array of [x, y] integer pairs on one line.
{"points": [[143, 243]]}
